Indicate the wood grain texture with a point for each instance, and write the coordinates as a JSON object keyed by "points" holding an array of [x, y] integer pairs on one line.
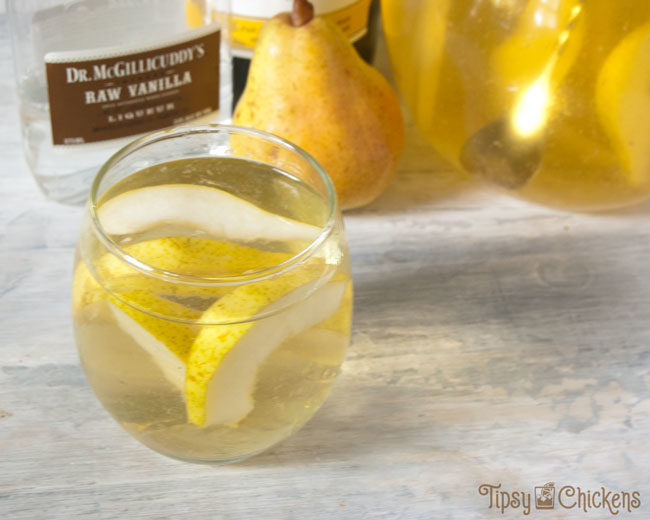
{"points": [[494, 342]]}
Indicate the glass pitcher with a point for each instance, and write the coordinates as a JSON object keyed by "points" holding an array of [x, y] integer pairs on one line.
{"points": [[546, 99]]}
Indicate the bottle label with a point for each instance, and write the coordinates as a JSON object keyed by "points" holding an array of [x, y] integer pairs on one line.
{"points": [[248, 16], [116, 92]]}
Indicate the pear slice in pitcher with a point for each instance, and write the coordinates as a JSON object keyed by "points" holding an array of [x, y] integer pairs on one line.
{"points": [[224, 360], [204, 208], [623, 104]]}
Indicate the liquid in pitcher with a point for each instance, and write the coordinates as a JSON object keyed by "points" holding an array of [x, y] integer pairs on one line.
{"points": [[546, 99]]}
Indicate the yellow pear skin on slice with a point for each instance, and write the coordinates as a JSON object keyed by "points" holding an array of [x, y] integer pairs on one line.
{"points": [[186, 255], [224, 360], [202, 257], [85, 289], [211, 210], [168, 342]]}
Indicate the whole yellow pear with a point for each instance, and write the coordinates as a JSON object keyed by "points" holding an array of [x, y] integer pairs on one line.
{"points": [[308, 85]]}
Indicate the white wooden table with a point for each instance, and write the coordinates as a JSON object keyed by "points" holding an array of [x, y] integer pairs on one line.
{"points": [[495, 342]]}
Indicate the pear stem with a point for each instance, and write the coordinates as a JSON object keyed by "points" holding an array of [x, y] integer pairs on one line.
{"points": [[302, 13]]}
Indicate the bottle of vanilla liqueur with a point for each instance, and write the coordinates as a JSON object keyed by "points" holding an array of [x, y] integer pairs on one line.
{"points": [[356, 18], [93, 75]]}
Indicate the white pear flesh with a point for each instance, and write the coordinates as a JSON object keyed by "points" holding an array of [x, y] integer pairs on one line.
{"points": [[205, 208], [230, 390], [170, 365]]}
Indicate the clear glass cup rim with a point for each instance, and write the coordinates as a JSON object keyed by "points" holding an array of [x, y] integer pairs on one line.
{"points": [[173, 277]]}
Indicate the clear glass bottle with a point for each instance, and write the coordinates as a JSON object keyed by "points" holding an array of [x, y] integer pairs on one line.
{"points": [[94, 74], [356, 18]]}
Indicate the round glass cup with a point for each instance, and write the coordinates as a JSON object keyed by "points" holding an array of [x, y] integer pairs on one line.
{"points": [[212, 297]]}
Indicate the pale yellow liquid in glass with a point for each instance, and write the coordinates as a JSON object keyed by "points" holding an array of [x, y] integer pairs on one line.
{"points": [[528, 93], [291, 383]]}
